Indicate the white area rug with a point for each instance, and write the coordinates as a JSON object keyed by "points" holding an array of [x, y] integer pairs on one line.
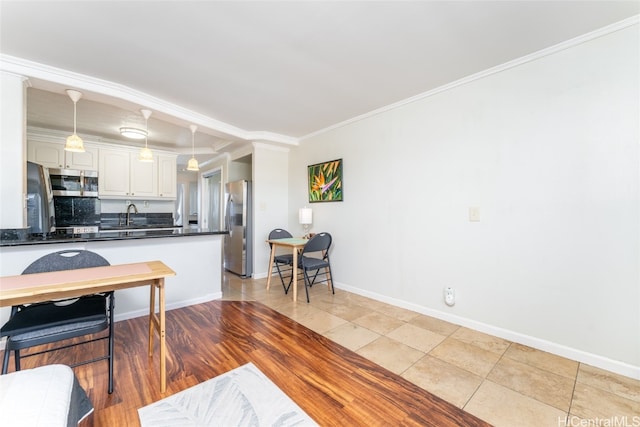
{"points": [[241, 397]]}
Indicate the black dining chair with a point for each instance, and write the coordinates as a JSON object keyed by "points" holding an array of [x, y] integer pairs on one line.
{"points": [[314, 258], [283, 263], [53, 321]]}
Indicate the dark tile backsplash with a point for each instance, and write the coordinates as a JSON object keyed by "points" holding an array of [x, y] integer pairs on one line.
{"points": [[139, 220], [14, 234], [76, 211]]}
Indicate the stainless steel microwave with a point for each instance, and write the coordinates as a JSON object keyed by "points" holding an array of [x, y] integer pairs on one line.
{"points": [[78, 183]]}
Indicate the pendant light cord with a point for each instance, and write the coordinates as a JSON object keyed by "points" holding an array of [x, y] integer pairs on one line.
{"points": [[74, 116]]}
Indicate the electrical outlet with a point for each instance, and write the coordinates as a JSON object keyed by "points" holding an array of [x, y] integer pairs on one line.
{"points": [[449, 296]]}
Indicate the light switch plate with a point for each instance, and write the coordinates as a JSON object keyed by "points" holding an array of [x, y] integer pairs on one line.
{"points": [[474, 214]]}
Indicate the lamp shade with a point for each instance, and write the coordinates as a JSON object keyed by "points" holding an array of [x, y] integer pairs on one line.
{"points": [[192, 165], [145, 155], [305, 216], [74, 144]]}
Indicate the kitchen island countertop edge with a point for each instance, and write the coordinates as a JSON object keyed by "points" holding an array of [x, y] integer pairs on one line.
{"points": [[111, 235]]}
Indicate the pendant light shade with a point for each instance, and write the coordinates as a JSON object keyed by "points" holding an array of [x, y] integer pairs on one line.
{"points": [[192, 165], [74, 142], [145, 154]]}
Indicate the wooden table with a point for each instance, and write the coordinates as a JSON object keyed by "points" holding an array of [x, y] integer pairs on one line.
{"points": [[296, 245], [31, 288]]}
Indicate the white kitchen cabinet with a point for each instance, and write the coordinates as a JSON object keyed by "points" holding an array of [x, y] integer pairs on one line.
{"points": [[113, 173], [143, 178], [52, 155], [167, 176], [122, 175]]}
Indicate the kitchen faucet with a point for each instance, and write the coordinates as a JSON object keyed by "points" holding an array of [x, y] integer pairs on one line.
{"points": [[135, 210]]}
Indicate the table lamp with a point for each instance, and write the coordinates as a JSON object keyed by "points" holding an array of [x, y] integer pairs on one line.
{"points": [[305, 217]]}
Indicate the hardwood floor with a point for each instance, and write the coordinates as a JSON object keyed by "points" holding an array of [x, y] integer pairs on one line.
{"points": [[332, 384]]}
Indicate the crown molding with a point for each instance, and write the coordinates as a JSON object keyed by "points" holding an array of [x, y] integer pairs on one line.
{"points": [[634, 20], [46, 73]]}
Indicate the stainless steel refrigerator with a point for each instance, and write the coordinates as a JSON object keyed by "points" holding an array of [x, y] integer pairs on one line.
{"points": [[40, 209], [238, 249]]}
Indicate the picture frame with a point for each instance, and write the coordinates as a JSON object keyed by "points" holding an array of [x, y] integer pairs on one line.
{"points": [[325, 182]]}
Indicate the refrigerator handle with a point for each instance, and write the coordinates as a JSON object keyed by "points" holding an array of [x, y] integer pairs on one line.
{"points": [[229, 213]]}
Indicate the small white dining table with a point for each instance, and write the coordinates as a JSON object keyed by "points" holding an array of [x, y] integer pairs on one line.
{"points": [[295, 244]]}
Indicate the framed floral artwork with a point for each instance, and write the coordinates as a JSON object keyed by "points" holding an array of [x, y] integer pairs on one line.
{"points": [[325, 181]]}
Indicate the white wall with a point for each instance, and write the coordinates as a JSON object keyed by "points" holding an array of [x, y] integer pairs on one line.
{"points": [[240, 170], [549, 152], [270, 200], [13, 117]]}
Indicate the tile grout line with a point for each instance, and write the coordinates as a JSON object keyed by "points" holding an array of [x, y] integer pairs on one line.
{"points": [[573, 391], [485, 378]]}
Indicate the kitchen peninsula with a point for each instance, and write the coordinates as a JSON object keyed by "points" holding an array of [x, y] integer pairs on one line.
{"points": [[194, 254]]}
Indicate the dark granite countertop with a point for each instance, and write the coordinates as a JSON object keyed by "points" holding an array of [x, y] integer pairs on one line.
{"points": [[107, 235]]}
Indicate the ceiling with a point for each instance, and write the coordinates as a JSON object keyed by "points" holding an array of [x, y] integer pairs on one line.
{"points": [[263, 70]]}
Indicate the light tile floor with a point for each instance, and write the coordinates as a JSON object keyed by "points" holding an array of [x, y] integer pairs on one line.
{"points": [[503, 383]]}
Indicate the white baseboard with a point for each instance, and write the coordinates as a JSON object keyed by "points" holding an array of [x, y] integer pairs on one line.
{"points": [[581, 356], [178, 304]]}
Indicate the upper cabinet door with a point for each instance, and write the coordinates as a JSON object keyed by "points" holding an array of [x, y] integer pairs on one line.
{"points": [[167, 176], [87, 161], [144, 177], [113, 174], [52, 155], [46, 153]]}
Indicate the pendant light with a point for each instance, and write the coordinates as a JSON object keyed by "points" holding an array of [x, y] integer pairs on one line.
{"points": [[145, 154], [74, 142], [193, 162]]}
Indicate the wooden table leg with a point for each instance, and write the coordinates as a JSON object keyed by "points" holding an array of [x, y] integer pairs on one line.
{"points": [[163, 345], [295, 275], [152, 312], [157, 323], [271, 258]]}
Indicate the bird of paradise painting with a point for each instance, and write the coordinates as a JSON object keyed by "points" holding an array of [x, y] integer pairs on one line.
{"points": [[325, 181]]}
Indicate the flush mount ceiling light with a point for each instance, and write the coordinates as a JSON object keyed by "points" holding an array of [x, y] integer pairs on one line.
{"points": [[192, 165], [145, 154], [74, 142], [133, 133]]}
